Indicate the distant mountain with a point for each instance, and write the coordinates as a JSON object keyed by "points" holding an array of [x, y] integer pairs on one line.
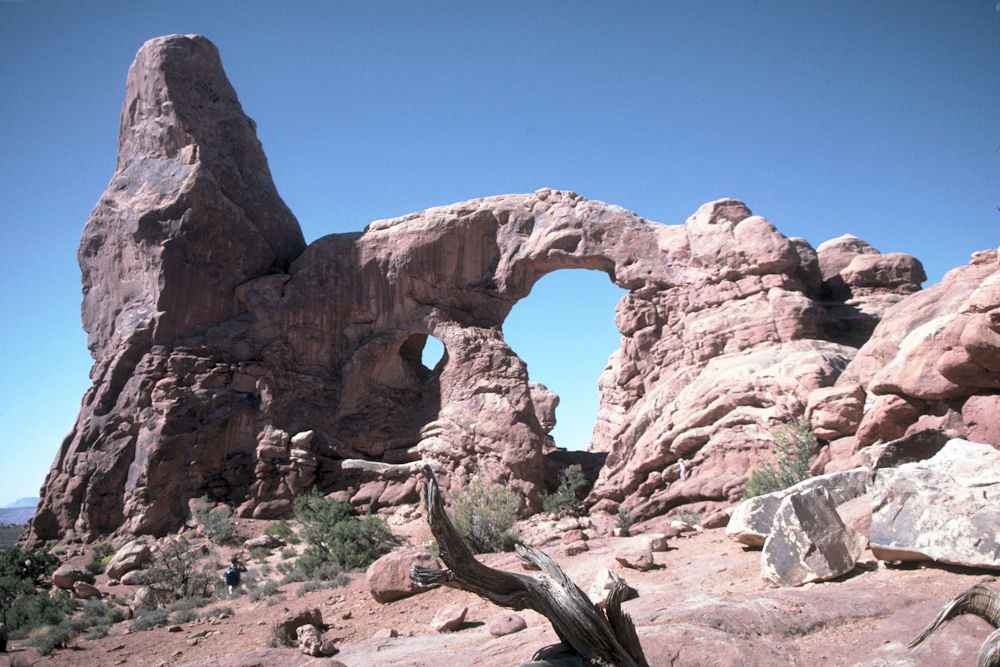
{"points": [[18, 511], [16, 514]]}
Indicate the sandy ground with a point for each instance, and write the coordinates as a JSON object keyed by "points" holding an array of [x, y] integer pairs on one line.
{"points": [[703, 604]]}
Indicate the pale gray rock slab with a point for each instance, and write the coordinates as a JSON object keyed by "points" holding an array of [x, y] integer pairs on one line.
{"points": [[809, 541], [945, 509], [751, 522]]}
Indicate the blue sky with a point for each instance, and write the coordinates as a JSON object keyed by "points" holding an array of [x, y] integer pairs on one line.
{"points": [[878, 119]]}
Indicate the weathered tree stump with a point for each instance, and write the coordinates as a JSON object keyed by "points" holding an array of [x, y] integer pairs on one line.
{"points": [[597, 637], [984, 602]]}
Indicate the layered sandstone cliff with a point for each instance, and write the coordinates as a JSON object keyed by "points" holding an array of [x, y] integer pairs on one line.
{"points": [[232, 361]]}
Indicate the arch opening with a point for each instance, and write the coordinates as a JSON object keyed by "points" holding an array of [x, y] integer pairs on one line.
{"points": [[564, 331], [424, 353]]}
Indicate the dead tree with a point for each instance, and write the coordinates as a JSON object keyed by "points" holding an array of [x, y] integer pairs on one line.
{"points": [[598, 637], [984, 602]]}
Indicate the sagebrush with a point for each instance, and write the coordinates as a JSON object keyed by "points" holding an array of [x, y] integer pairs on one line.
{"points": [[484, 514], [334, 535], [793, 446], [572, 482]]}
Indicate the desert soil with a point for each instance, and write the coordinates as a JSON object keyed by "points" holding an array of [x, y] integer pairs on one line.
{"points": [[703, 604]]}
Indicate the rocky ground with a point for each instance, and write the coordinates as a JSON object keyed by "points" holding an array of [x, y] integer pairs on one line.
{"points": [[703, 603]]}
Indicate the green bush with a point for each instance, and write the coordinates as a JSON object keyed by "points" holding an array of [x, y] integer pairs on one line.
{"points": [[216, 524], [284, 531], [571, 485], [334, 535], [145, 620], [624, 521], [100, 556], [793, 447], [22, 607], [49, 637], [483, 514], [35, 610]]}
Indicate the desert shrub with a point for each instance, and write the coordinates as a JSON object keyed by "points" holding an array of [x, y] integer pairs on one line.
{"points": [[216, 524], [39, 609], [49, 637], [624, 521], [309, 587], [334, 535], [483, 514], [100, 556], [793, 447], [216, 612], [284, 531], [289, 552], [689, 517], [571, 485], [22, 606], [98, 632], [279, 638], [145, 620], [267, 589], [260, 554], [96, 612], [178, 571]]}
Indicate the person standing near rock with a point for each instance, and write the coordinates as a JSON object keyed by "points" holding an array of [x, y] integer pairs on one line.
{"points": [[232, 574], [3, 637]]}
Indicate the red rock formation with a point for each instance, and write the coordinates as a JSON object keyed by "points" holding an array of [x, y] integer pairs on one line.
{"points": [[934, 361], [235, 363]]}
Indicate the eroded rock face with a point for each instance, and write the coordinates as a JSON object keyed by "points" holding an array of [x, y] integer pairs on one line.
{"points": [[932, 364], [234, 362], [946, 508]]}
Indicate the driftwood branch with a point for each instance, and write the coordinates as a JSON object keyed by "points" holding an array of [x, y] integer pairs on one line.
{"points": [[598, 637], [984, 602]]}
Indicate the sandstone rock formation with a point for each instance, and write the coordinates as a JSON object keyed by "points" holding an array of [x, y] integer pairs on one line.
{"points": [[930, 371], [946, 508], [235, 362]]}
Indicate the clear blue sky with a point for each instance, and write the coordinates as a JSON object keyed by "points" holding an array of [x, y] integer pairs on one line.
{"points": [[880, 119]]}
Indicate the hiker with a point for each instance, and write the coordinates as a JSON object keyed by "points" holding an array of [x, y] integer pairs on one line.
{"points": [[3, 637], [232, 574]]}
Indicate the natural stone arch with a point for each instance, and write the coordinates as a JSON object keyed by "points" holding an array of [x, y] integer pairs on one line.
{"points": [[285, 361]]}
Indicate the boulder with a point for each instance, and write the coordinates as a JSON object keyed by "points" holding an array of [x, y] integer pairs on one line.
{"points": [[388, 578], [312, 642], [752, 520], [449, 617], [138, 578], [946, 508], [834, 412], [130, 557], [914, 446], [145, 598], [506, 624], [603, 581], [264, 542], [290, 621], [85, 591], [809, 541], [636, 553], [68, 574]]}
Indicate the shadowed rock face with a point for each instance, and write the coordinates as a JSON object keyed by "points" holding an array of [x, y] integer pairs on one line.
{"points": [[232, 361]]}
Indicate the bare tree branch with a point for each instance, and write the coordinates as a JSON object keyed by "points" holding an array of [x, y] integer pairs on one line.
{"points": [[596, 636]]}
